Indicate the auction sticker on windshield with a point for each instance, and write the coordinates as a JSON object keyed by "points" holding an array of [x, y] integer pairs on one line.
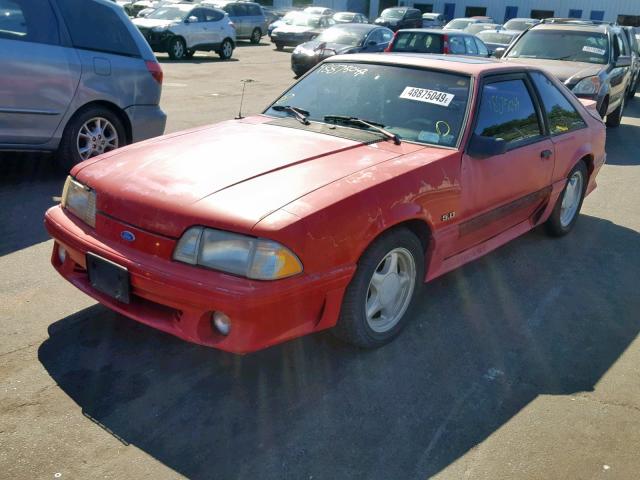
{"points": [[597, 51], [428, 96]]}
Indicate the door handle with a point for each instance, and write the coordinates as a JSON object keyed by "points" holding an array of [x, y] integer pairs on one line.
{"points": [[546, 154]]}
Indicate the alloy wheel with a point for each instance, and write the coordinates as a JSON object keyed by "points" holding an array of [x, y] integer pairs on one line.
{"points": [[571, 198], [96, 136]]}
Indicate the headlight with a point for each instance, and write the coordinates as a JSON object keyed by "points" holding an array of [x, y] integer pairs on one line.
{"points": [[587, 86], [79, 200], [161, 28], [250, 257]]}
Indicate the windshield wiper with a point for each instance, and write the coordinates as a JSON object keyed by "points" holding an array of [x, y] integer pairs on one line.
{"points": [[301, 115], [378, 127]]}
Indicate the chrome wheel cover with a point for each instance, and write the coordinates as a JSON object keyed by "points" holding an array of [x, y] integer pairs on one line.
{"points": [[390, 290], [571, 198], [96, 136], [227, 50], [178, 49]]}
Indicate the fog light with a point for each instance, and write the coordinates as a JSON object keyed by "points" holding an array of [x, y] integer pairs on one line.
{"points": [[62, 254], [222, 323]]}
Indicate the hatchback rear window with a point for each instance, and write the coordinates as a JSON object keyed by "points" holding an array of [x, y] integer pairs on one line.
{"points": [[93, 26], [418, 42]]}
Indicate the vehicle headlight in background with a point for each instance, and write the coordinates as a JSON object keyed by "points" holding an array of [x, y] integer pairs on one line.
{"points": [[79, 200], [250, 257], [587, 86]]}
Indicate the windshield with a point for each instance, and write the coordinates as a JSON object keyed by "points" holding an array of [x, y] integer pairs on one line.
{"points": [[175, 14], [418, 42], [570, 45], [494, 37], [303, 21], [341, 36], [458, 24], [418, 105], [393, 13], [519, 25]]}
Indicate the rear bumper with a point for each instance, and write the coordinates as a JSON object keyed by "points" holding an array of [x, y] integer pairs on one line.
{"points": [[165, 296], [147, 121]]}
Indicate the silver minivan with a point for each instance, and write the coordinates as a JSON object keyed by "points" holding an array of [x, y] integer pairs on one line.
{"points": [[77, 78]]}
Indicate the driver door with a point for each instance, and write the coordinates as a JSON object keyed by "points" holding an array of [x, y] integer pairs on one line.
{"points": [[500, 191], [194, 32]]}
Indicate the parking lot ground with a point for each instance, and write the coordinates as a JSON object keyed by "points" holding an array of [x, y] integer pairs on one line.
{"points": [[521, 365]]}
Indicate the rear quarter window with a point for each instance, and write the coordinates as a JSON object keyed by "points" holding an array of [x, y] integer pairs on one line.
{"points": [[94, 26], [561, 115], [28, 21]]}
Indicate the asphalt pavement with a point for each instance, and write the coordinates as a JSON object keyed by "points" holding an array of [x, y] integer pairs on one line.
{"points": [[521, 365]]}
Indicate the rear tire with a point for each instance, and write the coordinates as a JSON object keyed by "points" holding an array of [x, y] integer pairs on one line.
{"points": [[632, 90], [567, 209], [73, 141], [226, 49], [256, 35], [615, 117], [371, 315], [177, 49]]}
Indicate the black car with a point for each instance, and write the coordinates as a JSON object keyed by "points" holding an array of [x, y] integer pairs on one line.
{"points": [[593, 59], [400, 17], [424, 40], [341, 39], [299, 29]]}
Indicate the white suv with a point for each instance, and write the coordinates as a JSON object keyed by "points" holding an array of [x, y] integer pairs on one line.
{"points": [[181, 29]]}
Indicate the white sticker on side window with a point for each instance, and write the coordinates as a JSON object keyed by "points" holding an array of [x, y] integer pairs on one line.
{"points": [[598, 51], [428, 96]]}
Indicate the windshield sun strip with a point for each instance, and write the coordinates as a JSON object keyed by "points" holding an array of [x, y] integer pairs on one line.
{"points": [[465, 119]]}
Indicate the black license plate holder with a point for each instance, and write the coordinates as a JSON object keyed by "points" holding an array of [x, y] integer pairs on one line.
{"points": [[108, 277]]}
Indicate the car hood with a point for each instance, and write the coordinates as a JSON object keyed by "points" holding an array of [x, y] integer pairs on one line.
{"points": [[338, 47], [567, 72], [294, 29], [151, 22], [229, 175]]}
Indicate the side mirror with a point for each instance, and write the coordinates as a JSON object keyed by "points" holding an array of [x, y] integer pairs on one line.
{"points": [[623, 61], [499, 52], [484, 147], [371, 44], [192, 19]]}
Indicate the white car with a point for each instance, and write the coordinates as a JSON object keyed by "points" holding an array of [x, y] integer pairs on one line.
{"points": [[182, 29]]}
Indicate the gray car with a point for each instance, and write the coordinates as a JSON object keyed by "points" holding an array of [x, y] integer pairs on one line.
{"points": [[248, 17], [67, 89]]}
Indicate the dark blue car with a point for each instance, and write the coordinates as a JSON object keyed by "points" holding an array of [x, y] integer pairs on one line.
{"points": [[341, 39]]}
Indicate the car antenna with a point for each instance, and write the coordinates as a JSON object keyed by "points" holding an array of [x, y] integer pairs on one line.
{"points": [[244, 83]]}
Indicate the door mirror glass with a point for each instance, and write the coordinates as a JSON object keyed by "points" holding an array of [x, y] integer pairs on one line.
{"points": [[623, 61], [484, 147], [498, 52], [192, 19]]}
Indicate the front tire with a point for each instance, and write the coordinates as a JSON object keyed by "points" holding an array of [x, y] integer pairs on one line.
{"points": [[256, 35], [177, 49], [565, 213], [615, 117], [382, 292], [226, 49], [90, 132]]}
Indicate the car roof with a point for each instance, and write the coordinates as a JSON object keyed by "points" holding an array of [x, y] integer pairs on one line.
{"points": [[437, 31], [501, 30], [357, 26], [583, 27], [473, 66]]}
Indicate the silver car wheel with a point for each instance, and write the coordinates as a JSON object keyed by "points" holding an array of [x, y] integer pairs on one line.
{"points": [[178, 49], [227, 49], [571, 198], [390, 290], [96, 136]]}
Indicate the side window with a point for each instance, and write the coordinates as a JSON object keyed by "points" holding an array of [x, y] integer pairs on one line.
{"points": [[507, 113], [624, 46], [375, 36], [240, 10], [213, 15], [254, 10], [199, 13], [85, 18], [616, 47], [28, 21], [482, 48], [386, 36], [562, 116], [456, 46], [470, 45]]}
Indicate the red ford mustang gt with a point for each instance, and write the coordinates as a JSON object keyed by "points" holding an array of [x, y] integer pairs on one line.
{"points": [[369, 175]]}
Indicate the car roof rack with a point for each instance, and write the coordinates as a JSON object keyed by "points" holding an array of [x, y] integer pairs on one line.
{"points": [[576, 21]]}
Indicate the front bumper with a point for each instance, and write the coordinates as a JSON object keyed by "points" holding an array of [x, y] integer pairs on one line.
{"points": [[179, 299]]}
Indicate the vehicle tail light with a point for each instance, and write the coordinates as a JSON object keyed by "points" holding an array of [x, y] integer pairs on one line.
{"points": [[393, 40], [155, 70], [445, 44]]}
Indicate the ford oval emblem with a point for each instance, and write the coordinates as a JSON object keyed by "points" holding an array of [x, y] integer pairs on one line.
{"points": [[127, 236]]}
